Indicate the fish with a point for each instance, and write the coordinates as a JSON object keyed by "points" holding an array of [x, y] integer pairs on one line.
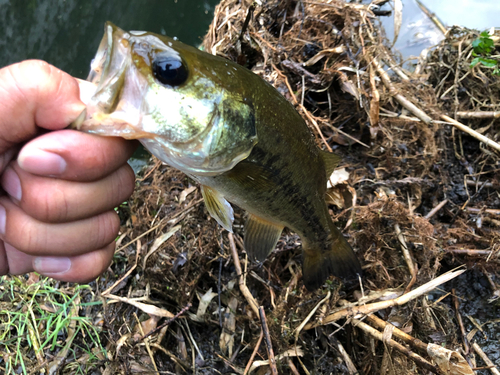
{"points": [[229, 130]]}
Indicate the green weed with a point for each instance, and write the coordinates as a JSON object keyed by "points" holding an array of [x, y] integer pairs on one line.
{"points": [[482, 50], [41, 322]]}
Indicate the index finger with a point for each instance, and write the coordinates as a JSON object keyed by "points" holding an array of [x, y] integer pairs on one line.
{"points": [[35, 94], [75, 156]]}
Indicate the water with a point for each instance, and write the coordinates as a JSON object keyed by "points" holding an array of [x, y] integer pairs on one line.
{"points": [[419, 32], [66, 33]]}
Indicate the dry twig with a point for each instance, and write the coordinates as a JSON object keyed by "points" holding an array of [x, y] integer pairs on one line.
{"points": [[267, 340], [493, 369], [255, 350], [472, 132], [406, 252], [358, 311], [241, 279], [400, 98], [436, 209], [394, 344]]}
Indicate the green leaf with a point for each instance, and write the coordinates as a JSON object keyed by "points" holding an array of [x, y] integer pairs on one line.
{"points": [[489, 63], [474, 62], [488, 43]]}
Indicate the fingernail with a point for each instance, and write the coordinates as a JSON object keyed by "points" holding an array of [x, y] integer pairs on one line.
{"points": [[45, 265], [3, 219], [11, 184], [41, 162], [76, 124], [75, 111]]}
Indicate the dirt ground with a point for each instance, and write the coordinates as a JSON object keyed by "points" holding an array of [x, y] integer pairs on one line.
{"points": [[419, 202]]}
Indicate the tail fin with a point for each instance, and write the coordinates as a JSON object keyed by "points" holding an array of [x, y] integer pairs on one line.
{"points": [[334, 258]]}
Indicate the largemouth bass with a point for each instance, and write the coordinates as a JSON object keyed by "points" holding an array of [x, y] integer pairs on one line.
{"points": [[229, 130]]}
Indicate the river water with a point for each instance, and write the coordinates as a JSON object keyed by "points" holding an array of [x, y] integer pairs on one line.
{"points": [[66, 33], [418, 31]]}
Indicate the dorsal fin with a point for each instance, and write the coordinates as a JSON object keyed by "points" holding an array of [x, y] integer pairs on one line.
{"points": [[218, 207], [331, 162], [261, 237]]}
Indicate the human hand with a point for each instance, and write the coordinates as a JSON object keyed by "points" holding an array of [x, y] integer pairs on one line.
{"points": [[57, 217]]}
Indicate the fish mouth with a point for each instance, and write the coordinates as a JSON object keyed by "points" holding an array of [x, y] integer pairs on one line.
{"points": [[109, 66], [108, 112]]}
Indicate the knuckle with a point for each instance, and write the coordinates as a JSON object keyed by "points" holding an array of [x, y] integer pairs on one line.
{"points": [[123, 184], [129, 180], [107, 226], [95, 263], [48, 205], [26, 236]]}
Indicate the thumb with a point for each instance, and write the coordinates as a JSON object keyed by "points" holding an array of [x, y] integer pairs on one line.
{"points": [[35, 94]]}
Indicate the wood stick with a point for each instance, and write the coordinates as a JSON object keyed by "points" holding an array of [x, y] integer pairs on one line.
{"points": [[475, 134], [348, 361], [358, 311], [456, 304], [293, 369], [137, 253], [310, 315], [471, 252], [436, 209], [412, 341], [396, 345], [432, 16], [480, 184], [494, 114], [400, 98], [478, 210], [485, 359], [243, 287], [267, 340], [255, 350], [406, 252]]}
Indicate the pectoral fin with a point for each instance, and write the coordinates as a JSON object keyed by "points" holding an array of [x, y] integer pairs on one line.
{"points": [[218, 207], [261, 237]]}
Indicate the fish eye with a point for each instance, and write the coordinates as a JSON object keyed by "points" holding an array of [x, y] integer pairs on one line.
{"points": [[170, 70]]}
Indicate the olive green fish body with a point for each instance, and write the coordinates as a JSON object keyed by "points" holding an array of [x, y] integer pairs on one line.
{"points": [[231, 131], [283, 181]]}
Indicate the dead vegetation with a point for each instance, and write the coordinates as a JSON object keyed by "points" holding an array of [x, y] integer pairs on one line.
{"points": [[421, 199]]}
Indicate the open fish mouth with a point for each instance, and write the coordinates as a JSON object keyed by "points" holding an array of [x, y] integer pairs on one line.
{"points": [[112, 94], [108, 67]]}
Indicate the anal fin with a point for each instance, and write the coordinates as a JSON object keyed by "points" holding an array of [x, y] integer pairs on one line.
{"points": [[218, 207], [261, 237]]}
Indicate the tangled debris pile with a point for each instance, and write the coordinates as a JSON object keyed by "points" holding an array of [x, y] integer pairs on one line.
{"points": [[418, 198]]}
